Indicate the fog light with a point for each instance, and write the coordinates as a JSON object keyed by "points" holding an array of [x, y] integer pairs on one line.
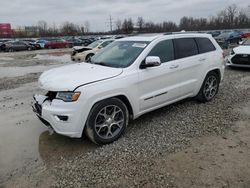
{"points": [[63, 118]]}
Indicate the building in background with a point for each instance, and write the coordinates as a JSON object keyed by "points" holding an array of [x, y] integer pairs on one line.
{"points": [[31, 30], [5, 30]]}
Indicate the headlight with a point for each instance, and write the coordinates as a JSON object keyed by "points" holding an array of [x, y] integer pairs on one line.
{"points": [[68, 96], [232, 52]]}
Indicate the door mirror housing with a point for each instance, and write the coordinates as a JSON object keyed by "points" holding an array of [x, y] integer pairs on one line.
{"points": [[151, 61]]}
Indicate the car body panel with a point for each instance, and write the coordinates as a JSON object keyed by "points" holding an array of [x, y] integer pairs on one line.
{"points": [[80, 74]]}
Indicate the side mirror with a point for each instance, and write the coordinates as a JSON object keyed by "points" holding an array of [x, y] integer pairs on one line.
{"points": [[241, 42], [151, 61], [100, 47]]}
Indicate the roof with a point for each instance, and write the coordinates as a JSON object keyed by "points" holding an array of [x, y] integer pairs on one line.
{"points": [[151, 37]]}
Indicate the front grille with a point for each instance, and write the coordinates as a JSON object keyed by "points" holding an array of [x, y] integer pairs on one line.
{"points": [[241, 59]]}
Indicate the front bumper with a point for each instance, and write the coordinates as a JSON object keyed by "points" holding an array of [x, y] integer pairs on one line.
{"points": [[236, 60], [53, 113]]}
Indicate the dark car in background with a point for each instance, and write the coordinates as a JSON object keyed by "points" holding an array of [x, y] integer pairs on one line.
{"points": [[214, 33], [57, 43], [33, 43], [78, 41], [226, 38], [12, 46], [86, 41]]}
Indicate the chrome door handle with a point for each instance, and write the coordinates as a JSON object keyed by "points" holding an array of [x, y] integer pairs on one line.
{"points": [[174, 66]]}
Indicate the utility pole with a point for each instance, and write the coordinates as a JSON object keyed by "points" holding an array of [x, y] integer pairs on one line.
{"points": [[110, 23]]}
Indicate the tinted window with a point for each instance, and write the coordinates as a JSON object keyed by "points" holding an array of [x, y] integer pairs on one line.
{"points": [[164, 50], [204, 45], [185, 47]]}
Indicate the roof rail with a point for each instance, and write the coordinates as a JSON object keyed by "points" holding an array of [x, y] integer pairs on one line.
{"points": [[183, 32]]}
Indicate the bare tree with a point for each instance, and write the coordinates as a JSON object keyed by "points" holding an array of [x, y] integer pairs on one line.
{"points": [[231, 14], [87, 27], [43, 27], [118, 25], [140, 23]]}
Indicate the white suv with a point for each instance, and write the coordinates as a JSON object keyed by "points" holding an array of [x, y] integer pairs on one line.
{"points": [[130, 77]]}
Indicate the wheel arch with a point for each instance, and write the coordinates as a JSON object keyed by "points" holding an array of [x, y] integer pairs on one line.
{"points": [[124, 99]]}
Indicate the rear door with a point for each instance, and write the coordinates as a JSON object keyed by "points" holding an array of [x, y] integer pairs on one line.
{"points": [[189, 64]]}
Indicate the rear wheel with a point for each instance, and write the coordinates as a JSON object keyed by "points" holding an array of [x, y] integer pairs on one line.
{"points": [[107, 121], [11, 50], [209, 87]]}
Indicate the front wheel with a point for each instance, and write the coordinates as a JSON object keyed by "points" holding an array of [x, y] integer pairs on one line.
{"points": [[209, 87], [88, 57], [107, 121]]}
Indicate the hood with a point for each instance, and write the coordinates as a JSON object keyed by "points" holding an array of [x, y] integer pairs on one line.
{"points": [[242, 49], [69, 77], [81, 49]]}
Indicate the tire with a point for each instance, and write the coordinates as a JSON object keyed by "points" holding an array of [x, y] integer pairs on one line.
{"points": [[10, 50], [209, 88], [107, 121], [88, 57]]}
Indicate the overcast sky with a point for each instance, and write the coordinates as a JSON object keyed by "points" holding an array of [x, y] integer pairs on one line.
{"points": [[29, 12]]}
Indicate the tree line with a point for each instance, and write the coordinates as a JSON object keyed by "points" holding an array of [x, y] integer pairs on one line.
{"points": [[232, 17]]}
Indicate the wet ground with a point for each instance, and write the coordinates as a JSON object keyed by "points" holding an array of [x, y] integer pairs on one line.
{"points": [[27, 149]]}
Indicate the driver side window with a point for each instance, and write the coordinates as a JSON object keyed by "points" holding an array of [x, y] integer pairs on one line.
{"points": [[164, 50]]}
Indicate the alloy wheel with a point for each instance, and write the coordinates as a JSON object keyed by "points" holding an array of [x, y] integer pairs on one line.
{"points": [[109, 121]]}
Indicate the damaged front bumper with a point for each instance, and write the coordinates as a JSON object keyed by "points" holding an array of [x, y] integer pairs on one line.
{"points": [[57, 115]]}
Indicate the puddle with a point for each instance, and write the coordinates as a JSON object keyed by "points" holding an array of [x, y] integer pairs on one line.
{"points": [[25, 143], [21, 71], [55, 57], [6, 58]]}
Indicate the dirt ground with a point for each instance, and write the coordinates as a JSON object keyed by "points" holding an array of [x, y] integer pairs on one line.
{"points": [[28, 152]]}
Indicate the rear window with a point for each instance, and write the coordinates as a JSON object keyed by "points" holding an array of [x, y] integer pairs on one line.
{"points": [[185, 47], [205, 45]]}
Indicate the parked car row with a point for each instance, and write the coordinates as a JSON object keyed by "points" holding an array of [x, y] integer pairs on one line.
{"points": [[10, 45], [226, 38]]}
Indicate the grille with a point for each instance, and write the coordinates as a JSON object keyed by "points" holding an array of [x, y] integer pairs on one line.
{"points": [[241, 59]]}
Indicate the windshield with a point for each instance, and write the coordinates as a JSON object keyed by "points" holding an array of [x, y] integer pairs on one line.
{"points": [[246, 43], [119, 54], [95, 44]]}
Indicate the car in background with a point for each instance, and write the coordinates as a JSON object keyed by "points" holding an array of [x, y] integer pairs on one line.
{"points": [[57, 43], [226, 38], [240, 56], [78, 42], [246, 34], [33, 43], [214, 33], [85, 53], [41, 42], [128, 78], [12, 46]]}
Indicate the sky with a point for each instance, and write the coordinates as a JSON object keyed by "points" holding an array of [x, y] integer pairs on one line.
{"points": [[96, 12]]}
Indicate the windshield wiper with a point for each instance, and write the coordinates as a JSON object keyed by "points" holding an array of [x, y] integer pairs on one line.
{"points": [[101, 63]]}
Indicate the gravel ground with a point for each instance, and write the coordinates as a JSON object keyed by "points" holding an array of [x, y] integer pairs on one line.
{"points": [[143, 157], [131, 161]]}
